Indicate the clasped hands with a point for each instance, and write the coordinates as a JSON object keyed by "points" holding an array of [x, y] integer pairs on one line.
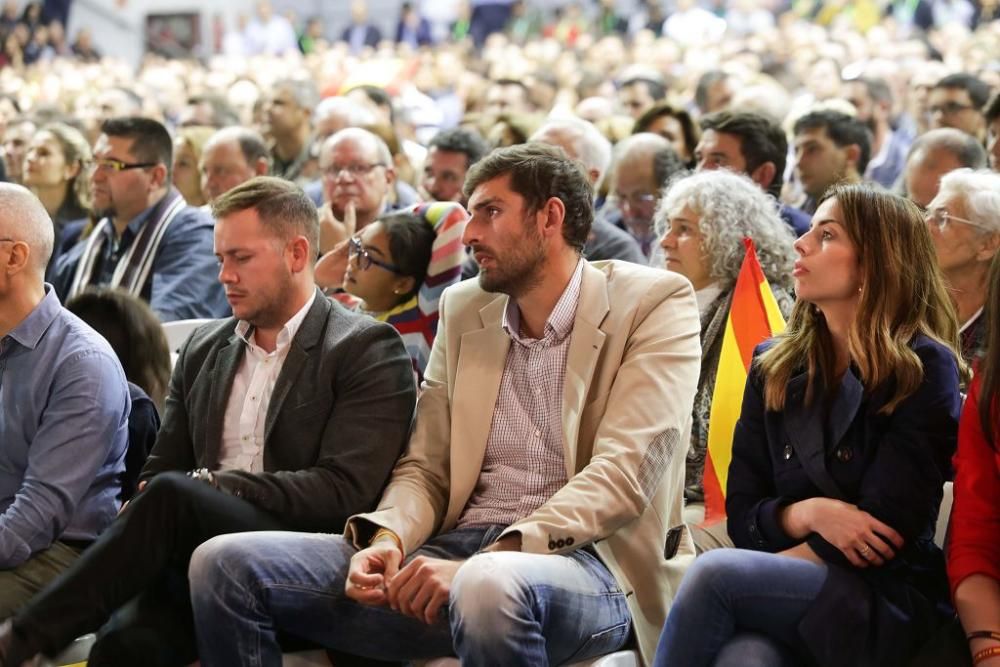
{"points": [[864, 540]]}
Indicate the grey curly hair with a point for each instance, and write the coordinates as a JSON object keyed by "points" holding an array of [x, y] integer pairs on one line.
{"points": [[730, 207]]}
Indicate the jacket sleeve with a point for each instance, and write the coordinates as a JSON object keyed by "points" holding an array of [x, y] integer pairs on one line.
{"points": [[364, 434], [974, 539], [642, 433], [185, 281]]}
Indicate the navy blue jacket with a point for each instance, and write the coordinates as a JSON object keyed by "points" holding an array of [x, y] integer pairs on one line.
{"points": [[891, 466]]}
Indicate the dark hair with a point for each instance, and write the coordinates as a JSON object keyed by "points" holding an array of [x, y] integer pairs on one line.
{"points": [[150, 140], [223, 113], [459, 140], [134, 332], [538, 172], [688, 126], [978, 90], [992, 108], [876, 88], [705, 82], [252, 145], [411, 242], [379, 97], [842, 129], [761, 140], [989, 365], [666, 164], [656, 89], [281, 206]]}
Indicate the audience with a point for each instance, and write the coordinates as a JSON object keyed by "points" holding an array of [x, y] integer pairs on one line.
{"points": [[188, 147], [288, 125], [935, 154], [232, 156], [839, 456], [674, 125], [873, 101], [63, 417], [992, 115], [289, 415], [449, 155], [830, 148], [957, 101], [701, 222]]}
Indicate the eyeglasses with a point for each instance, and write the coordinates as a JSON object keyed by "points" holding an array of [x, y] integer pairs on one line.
{"points": [[635, 200], [353, 170], [365, 260], [941, 218], [948, 108], [111, 164]]}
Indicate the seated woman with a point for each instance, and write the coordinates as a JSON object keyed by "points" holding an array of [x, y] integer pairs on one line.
{"points": [[396, 269], [849, 419], [701, 222], [188, 146], [974, 541]]}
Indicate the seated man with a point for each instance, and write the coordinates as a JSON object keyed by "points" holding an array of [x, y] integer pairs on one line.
{"points": [[830, 147], [289, 416], [536, 517], [148, 241], [64, 406]]}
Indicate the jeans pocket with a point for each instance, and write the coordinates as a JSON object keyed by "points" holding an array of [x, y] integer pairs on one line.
{"points": [[602, 643]]}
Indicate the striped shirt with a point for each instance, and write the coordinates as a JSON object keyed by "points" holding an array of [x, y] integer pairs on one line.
{"points": [[523, 465]]}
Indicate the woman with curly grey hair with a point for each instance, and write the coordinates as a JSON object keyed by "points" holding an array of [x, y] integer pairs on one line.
{"points": [[701, 222]]}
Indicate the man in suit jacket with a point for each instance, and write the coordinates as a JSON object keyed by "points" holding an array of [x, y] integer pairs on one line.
{"points": [[536, 516], [288, 416]]}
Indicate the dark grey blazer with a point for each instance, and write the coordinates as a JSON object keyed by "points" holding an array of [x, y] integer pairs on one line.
{"points": [[338, 419]]}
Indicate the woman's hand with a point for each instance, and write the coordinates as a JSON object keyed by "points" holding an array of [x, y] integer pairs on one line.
{"points": [[863, 539]]}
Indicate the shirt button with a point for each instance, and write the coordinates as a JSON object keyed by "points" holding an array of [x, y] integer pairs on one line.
{"points": [[788, 452], [845, 454], [245, 438], [538, 433]]}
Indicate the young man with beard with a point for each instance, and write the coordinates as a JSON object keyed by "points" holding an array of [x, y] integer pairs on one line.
{"points": [[290, 415], [536, 480], [148, 241]]}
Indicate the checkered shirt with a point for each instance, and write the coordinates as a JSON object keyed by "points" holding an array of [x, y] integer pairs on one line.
{"points": [[523, 465]]}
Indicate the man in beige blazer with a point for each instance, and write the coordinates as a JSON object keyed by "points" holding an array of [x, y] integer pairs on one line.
{"points": [[535, 517]]}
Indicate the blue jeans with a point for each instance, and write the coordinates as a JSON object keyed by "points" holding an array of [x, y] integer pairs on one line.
{"points": [[739, 608], [506, 608]]}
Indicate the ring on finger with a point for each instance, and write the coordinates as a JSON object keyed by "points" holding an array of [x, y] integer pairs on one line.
{"points": [[865, 551]]}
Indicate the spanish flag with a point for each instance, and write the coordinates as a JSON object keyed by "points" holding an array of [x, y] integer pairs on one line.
{"points": [[753, 318]]}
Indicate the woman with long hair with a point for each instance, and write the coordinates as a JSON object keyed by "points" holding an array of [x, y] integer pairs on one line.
{"points": [[848, 423], [974, 541]]}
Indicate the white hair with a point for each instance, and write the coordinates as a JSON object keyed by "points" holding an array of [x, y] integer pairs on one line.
{"points": [[731, 207], [979, 189], [591, 147], [23, 218], [362, 136], [354, 114]]}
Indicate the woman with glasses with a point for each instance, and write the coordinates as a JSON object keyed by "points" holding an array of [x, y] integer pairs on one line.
{"points": [[974, 537], [701, 223], [964, 219], [839, 456], [398, 266], [55, 169]]}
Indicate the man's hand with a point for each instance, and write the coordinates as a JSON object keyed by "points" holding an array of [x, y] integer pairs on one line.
{"points": [[370, 572], [332, 232], [862, 538], [330, 269], [138, 488], [422, 587]]}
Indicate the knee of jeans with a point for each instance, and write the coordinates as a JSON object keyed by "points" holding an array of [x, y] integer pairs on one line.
{"points": [[486, 594], [711, 570], [751, 649], [215, 560]]}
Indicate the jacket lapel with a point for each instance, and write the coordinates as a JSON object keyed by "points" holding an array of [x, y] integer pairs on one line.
{"points": [[585, 346], [477, 384], [804, 430], [227, 362]]}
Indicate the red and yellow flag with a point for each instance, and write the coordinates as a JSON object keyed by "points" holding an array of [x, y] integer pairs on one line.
{"points": [[753, 318]]}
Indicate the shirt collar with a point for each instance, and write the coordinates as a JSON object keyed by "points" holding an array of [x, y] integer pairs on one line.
{"points": [[31, 329], [134, 225], [245, 330], [561, 319]]}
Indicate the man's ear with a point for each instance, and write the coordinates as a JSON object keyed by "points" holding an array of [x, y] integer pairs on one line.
{"points": [[552, 214], [18, 259], [853, 154], [390, 175], [300, 254], [159, 176], [260, 168], [764, 175]]}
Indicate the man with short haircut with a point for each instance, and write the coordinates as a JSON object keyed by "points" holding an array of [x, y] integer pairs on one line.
{"points": [[232, 156], [449, 155], [957, 101], [644, 164], [507, 97], [288, 113], [714, 91], [933, 155], [148, 241], [638, 94], [358, 174], [64, 406], [830, 147], [536, 516], [582, 141], [290, 415], [16, 138], [992, 115], [752, 144], [872, 98]]}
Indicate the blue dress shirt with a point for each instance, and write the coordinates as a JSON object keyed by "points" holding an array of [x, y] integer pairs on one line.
{"points": [[64, 407]]}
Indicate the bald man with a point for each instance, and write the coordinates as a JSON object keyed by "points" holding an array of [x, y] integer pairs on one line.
{"points": [[934, 154], [64, 407]]}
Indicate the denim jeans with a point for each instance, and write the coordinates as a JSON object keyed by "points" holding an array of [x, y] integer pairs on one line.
{"points": [[739, 608], [505, 608]]}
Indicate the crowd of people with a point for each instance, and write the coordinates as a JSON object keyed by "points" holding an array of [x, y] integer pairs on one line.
{"points": [[466, 296]]}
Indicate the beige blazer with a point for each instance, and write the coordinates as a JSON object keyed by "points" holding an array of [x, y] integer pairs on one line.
{"points": [[631, 374]]}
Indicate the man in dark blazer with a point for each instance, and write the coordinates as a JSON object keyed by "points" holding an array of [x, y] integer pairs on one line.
{"points": [[288, 416]]}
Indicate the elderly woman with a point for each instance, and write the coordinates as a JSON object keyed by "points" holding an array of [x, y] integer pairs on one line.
{"points": [[964, 219], [702, 221]]}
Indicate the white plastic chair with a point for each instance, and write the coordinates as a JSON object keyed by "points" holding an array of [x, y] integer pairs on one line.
{"points": [[178, 331], [944, 514]]}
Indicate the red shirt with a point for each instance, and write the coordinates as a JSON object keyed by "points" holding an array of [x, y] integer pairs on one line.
{"points": [[974, 542]]}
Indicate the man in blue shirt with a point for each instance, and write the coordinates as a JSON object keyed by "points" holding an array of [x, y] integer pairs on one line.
{"points": [[148, 240], [64, 406]]}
